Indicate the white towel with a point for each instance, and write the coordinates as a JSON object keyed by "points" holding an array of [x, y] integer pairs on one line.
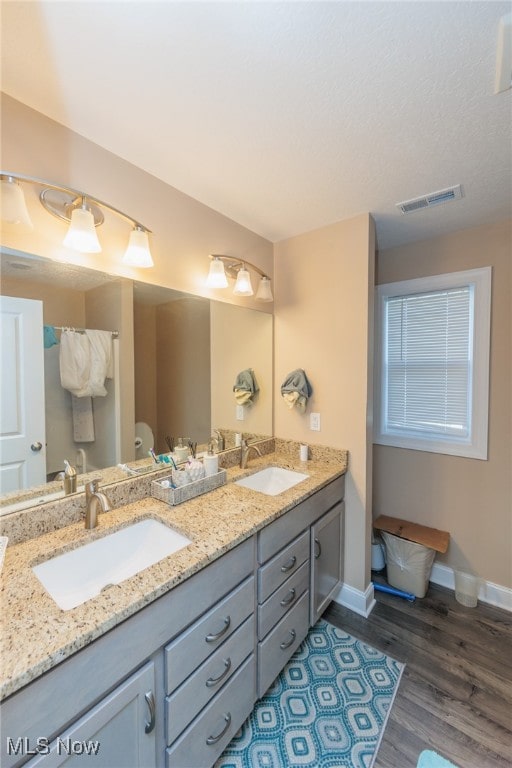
{"points": [[75, 362], [85, 362], [83, 419], [101, 361]]}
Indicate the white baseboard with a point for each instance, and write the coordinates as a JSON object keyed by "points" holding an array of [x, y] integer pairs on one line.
{"points": [[363, 602], [356, 600], [493, 594]]}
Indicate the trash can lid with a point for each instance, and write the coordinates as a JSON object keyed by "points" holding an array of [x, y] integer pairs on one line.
{"points": [[421, 534]]}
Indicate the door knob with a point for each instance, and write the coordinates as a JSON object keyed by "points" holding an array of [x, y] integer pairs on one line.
{"points": [[36, 447]]}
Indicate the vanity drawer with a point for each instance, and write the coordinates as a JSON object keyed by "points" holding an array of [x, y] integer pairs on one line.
{"points": [[201, 639], [286, 562], [210, 733], [190, 698], [282, 600], [281, 643], [272, 538]]}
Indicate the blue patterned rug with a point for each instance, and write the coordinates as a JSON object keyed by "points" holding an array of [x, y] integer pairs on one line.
{"points": [[327, 709]]}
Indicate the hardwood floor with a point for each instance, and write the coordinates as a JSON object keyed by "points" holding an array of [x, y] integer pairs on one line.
{"points": [[455, 696]]}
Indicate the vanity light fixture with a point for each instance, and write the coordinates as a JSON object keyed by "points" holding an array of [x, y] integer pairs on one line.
{"points": [[222, 267], [264, 292], [138, 254], [243, 285], [81, 235], [83, 212], [14, 207], [217, 275]]}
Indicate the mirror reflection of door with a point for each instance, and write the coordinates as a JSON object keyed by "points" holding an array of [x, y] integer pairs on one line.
{"points": [[22, 417]]}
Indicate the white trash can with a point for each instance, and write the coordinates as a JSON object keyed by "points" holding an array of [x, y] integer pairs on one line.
{"points": [[408, 564], [467, 586]]}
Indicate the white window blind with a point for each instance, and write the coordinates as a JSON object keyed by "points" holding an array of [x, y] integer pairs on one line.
{"points": [[428, 362], [432, 363]]}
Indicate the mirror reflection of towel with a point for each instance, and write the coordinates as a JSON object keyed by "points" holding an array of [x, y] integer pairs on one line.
{"points": [[101, 361], [83, 419], [245, 386], [49, 336], [296, 390], [75, 362], [85, 362]]}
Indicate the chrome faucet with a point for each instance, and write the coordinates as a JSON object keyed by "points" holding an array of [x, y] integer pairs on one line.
{"points": [[245, 450], [94, 498], [219, 439]]}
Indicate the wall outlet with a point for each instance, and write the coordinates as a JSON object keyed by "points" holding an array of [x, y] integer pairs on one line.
{"points": [[314, 422], [240, 413]]}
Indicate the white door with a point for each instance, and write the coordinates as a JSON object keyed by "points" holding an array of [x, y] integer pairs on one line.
{"points": [[22, 423]]}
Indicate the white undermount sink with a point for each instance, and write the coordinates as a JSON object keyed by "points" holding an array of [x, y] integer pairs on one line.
{"points": [[82, 573], [272, 480]]}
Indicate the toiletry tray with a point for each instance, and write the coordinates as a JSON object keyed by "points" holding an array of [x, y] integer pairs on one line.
{"points": [[186, 492]]}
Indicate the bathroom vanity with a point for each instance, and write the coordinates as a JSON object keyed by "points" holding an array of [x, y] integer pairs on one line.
{"points": [[180, 653]]}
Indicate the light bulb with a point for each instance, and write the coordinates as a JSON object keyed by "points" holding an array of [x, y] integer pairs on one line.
{"points": [[217, 275], [243, 285], [81, 235], [264, 292], [14, 207], [138, 254]]}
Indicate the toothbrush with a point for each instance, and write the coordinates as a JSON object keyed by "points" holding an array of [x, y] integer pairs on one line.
{"points": [[152, 453]]}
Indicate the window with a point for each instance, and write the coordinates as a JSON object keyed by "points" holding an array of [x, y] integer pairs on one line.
{"points": [[432, 371]]}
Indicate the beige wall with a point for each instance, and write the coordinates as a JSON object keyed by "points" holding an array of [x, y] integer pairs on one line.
{"points": [[183, 370], [61, 306], [109, 307], [144, 339], [241, 340], [185, 231], [470, 498], [324, 324]]}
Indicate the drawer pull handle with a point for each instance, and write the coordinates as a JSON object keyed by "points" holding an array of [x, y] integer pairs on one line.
{"points": [[289, 599], [289, 564], [212, 638], [318, 549], [216, 680], [286, 643], [214, 739], [150, 701]]}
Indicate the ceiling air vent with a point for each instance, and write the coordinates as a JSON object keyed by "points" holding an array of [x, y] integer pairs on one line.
{"points": [[434, 198]]}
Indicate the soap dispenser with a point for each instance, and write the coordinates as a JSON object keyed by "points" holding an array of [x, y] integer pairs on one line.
{"points": [[69, 478], [211, 461]]}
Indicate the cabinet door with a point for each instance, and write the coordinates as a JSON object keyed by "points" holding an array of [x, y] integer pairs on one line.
{"points": [[326, 560], [116, 733]]}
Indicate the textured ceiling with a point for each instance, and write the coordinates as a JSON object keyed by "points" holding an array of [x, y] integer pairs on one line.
{"points": [[284, 116], [22, 266]]}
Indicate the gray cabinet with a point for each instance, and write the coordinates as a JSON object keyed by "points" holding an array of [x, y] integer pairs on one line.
{"points": [[300, 556], [326, 560], [208, 736], [119, 732], [93, 695], [172, 684], [210, 680]]}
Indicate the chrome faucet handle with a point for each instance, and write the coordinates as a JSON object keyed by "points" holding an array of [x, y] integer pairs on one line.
{"points": [[219, 437], [95, 501], [92, 486]]}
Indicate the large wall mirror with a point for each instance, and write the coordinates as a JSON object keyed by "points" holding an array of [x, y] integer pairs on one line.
{"points": [[176, 358]]}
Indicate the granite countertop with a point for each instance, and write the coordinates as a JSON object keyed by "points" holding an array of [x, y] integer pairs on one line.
{"points": [[35, 634]]}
